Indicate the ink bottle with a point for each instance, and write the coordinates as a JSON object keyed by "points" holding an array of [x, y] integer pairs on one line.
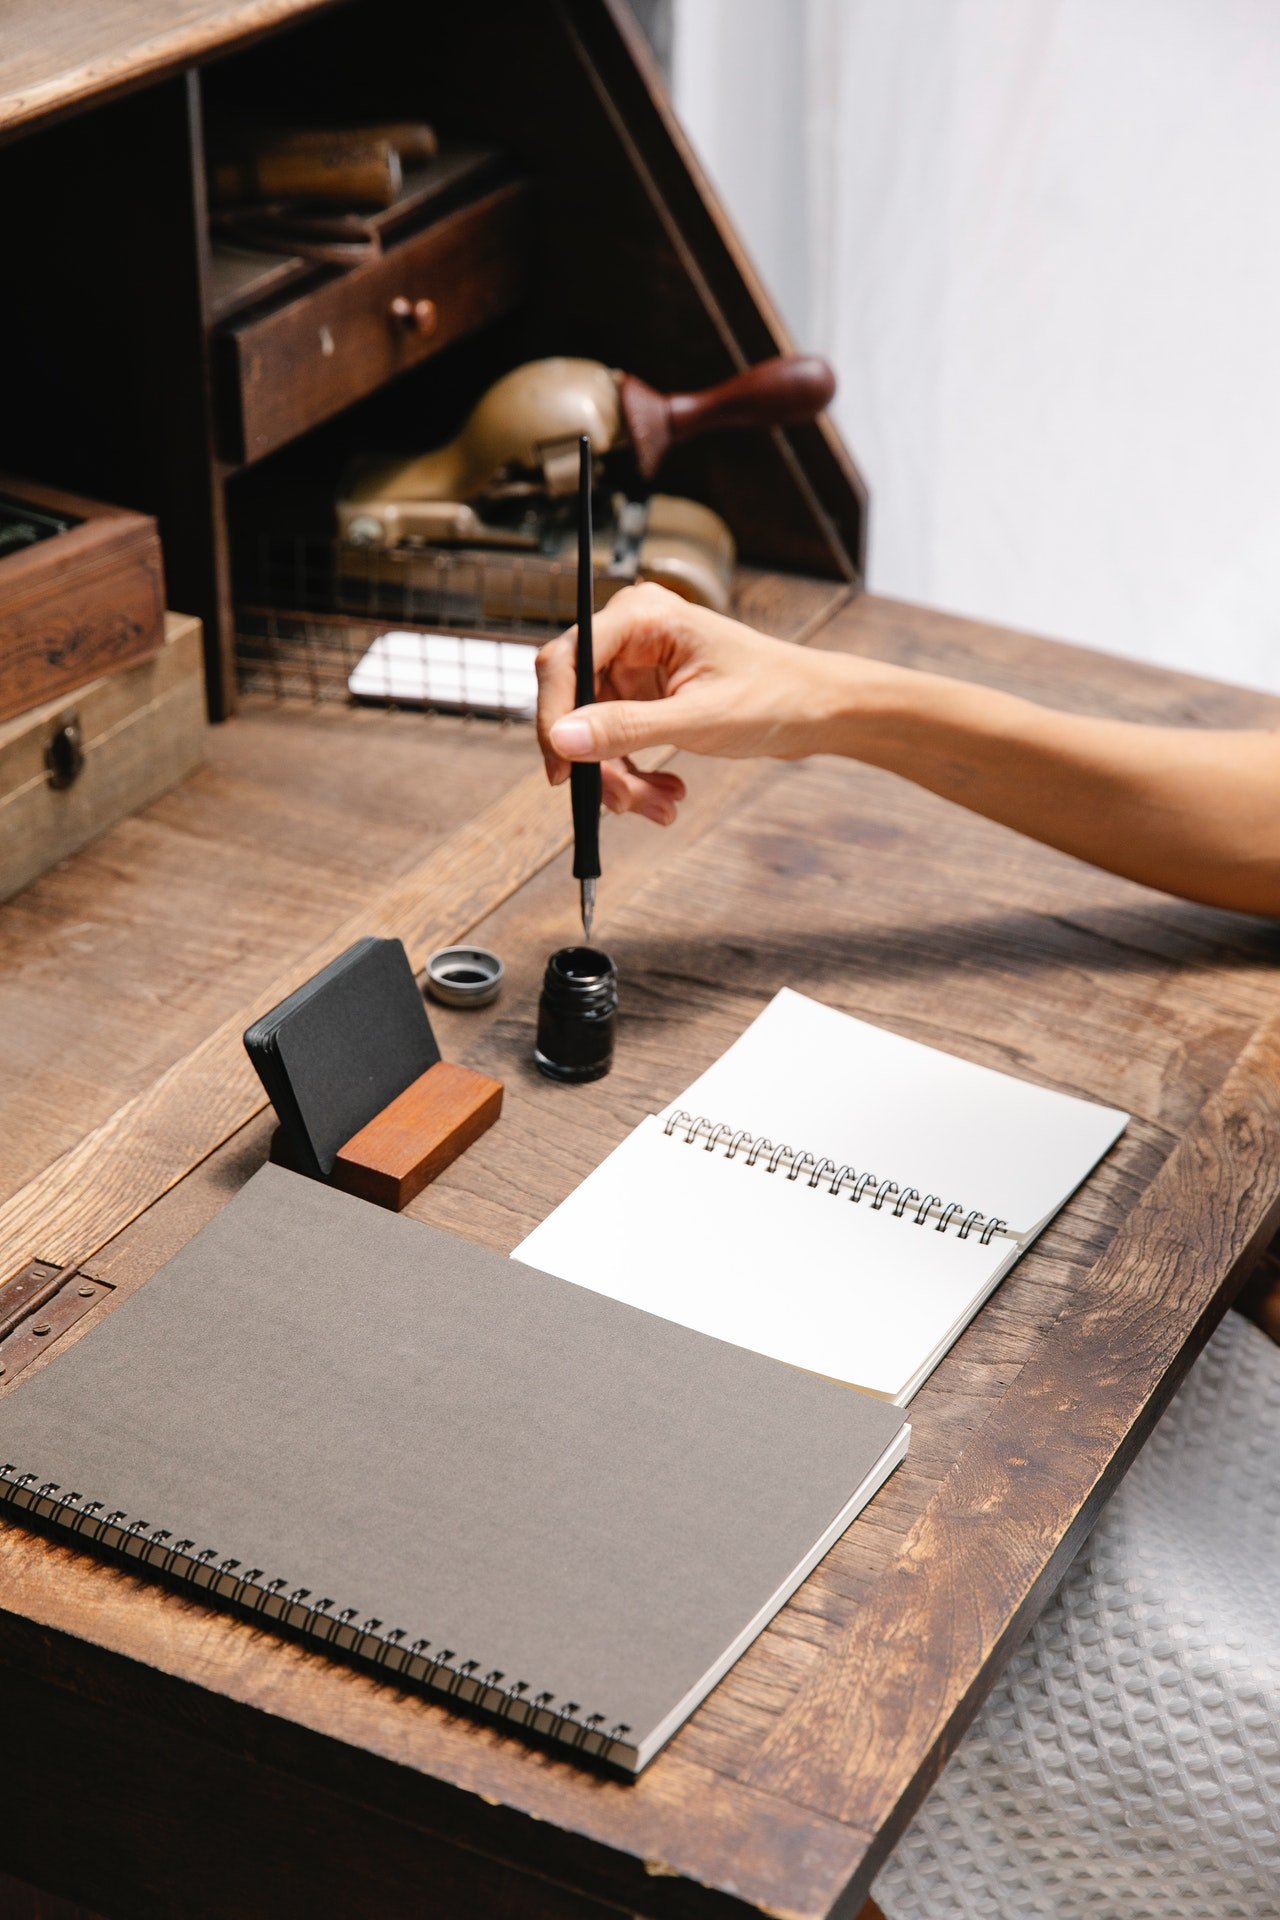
{"points": [[577, 1015]]}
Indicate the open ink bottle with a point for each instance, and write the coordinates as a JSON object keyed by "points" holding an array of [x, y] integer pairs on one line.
{"points": [[577, 1015]]}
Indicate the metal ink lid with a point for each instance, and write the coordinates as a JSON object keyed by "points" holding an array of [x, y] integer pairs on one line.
{"points": [[464, 976]]}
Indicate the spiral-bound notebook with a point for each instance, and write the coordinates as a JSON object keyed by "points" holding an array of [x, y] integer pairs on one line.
{"points": [[415, 1453], [829, 1194]]}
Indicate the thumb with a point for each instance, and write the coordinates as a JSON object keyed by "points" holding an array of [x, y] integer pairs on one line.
{"points": [[615, 727]]}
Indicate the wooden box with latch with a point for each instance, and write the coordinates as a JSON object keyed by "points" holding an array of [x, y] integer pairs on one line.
{"points": [[71, 767], [81, 592]]}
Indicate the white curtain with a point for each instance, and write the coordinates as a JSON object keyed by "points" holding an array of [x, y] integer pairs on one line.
{"points": [[1040, 240]]}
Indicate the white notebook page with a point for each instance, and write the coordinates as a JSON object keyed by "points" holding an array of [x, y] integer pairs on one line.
{"points": [[793, 1271], [819, 1080], [766, 1262]]}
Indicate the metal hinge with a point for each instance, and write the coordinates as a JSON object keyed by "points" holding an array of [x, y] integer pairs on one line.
{"points": [[36, 1305]]}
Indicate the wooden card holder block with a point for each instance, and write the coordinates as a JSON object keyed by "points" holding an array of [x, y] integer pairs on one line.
{"points": [[415, 1138]]}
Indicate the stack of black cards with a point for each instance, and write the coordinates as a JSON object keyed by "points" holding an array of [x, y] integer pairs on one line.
{"points": [[340, 1049]]}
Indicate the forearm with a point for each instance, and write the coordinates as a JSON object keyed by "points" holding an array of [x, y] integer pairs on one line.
{"points": [[1194, 813]]}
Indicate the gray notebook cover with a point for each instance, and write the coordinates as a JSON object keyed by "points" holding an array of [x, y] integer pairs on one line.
{"points": [[505, 1487]]}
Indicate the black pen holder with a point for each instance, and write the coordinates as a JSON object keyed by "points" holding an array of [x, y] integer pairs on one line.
{"points": [[577, 1015]]}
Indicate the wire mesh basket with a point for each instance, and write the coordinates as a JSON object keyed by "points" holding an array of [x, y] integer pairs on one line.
{"points": [[444, 631]]}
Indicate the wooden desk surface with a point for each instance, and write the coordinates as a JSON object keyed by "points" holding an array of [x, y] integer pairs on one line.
{"points": [[171, 1728], [82, 51]]}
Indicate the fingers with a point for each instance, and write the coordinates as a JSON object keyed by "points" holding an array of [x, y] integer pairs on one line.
{"points": [[624, 787], [616, 727], [641, 622], [654, 795], [557, 677], [634, 630]]}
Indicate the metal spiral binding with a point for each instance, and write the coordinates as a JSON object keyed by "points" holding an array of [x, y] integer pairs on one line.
{"points": [[756, 1150], [440, 1670]]}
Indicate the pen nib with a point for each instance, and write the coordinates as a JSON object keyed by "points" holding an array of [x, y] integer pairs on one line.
{"points": [[587, 889]]}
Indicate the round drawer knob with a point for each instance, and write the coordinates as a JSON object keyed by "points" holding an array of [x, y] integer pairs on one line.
{"points": [[415, 316]]}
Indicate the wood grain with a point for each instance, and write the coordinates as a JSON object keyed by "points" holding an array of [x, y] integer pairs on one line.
{"points": [[85, 51], [79, 604], [37, 1306], [20, 1901], [141, 728], [1006, 1522], [154, 1866], [104, 106], [300, 363], [784, 1790], [119, 1168], [412, 1141], [320, 884], [116, 963]]}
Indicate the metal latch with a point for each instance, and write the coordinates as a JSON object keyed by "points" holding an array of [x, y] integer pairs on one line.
{"points": [[64, 755]]}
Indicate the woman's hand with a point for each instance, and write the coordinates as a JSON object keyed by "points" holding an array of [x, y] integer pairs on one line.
{"points": [[672, 674], [1194, 811]]}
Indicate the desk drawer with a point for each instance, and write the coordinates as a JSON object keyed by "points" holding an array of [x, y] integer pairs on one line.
{"points": [[289, 369]]}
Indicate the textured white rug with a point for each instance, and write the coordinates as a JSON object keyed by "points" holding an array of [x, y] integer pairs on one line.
{"points": [[1127, 1767]]}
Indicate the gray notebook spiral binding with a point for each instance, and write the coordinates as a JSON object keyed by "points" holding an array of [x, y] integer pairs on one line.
{"points": [[406, 1450]]}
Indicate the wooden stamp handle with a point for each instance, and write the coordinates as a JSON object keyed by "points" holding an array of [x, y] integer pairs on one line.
{"points": [[775, 393], [779, 392]]}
